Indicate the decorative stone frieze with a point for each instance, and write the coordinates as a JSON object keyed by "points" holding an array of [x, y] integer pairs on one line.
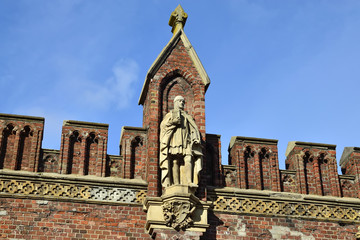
{"points": [[268, 203], [71, 188]]}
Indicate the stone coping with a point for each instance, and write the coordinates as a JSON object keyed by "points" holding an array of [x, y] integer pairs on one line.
{"points": [[128, 128], [82, 189], [21, 117], [272, 195], [73, 178], [134, 128], [283, 204], [85, 124], [288, 171], [155, 66], [251, 140], [54, 151], [348, 177], [213, 135], [229, 167], [346, 154], [179, 35], [115, 156], [292, 144]]}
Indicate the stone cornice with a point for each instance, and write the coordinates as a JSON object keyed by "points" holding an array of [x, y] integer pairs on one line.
{"points": [[51, 186], [346, 154], [85, 124], [283, 204], [4, 116], [132, 129], [323, 146], [251, 140]]}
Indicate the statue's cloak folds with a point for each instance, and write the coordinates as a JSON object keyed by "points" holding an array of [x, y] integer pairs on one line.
{"points": [[179, 139]]}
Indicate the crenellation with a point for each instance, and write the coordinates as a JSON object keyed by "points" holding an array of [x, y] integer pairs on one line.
{"points": [[168, 180], [20, 141], [350, 165], [316, 168], [133, 151], [83, 148], [256, 163]]}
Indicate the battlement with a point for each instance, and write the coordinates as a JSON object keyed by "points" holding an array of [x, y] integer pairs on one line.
{"points": [[311, 168], [20, 141]]}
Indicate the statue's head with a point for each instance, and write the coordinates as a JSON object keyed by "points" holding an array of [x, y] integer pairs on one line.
{"points": [[179, 102]]}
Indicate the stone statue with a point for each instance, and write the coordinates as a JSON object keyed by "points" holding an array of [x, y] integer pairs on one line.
{"points": [[180, 147]]}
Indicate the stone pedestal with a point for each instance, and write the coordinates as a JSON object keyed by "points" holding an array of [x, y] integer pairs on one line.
{"points": [[177, 209]]}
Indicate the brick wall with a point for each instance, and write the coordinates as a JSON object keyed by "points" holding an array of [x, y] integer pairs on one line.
{"points": [[43, 219], [230, 226]]}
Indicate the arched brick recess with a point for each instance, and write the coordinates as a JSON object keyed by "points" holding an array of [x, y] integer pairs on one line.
{"points": [[7, 145], [172, 85]]}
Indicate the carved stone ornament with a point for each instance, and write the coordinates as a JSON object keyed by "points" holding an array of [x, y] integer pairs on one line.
{"points": [[357, 235], [177, 214]]}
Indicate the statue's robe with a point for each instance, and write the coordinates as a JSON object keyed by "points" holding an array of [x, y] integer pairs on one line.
{"points": [[179, 139]]}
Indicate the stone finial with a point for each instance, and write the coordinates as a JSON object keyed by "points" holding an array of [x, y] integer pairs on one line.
{"points": [[177, 19]]}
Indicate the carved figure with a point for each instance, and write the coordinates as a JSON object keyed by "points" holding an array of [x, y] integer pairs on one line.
{"points": [[180, 147]]}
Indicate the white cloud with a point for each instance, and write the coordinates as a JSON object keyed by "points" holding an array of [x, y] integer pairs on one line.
{"points": [[117, 90]]}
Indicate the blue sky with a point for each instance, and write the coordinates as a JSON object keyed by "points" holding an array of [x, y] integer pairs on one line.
{"points": [[286, 70]]}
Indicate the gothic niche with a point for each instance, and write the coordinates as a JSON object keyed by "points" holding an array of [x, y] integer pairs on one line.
{"points": [[50, 164], [174, 85], [135, 158], [114, 166], [74, 150], [308, 160], [90, 147], [24, 143], [7, 145], [264, 161], [249, 155], [347, 188], [230, 178], [210, 163], [288, 182]]}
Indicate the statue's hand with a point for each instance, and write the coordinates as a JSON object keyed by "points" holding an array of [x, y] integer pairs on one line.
{"points": [[177, 121]]}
